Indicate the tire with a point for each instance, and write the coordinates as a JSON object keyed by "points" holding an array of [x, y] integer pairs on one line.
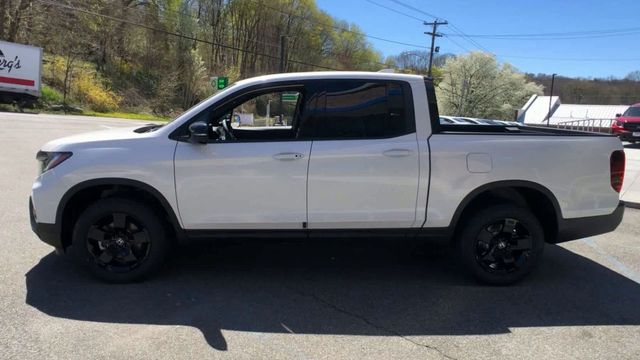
{"points": [[119, 240], [501, 244]]}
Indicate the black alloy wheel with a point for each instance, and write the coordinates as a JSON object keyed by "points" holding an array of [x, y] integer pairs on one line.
{"points": [[500, 244], [118, 242], [503, 246]]}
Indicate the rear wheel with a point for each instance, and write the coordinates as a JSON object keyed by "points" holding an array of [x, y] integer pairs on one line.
{"points": [[501, 244], [119, 240]]}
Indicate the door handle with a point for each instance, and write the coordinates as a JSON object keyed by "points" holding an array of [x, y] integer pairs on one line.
{"points": [[287, 156], [397, 153]]}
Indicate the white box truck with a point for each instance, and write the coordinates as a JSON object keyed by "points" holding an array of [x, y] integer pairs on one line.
{"points": [[20, 69]]}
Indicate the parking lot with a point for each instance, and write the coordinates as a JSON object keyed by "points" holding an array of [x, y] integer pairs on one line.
{"points": [[323, 299]]}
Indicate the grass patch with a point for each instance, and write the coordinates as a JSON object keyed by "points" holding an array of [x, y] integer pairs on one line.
{"points": [[120, 115], [131, 116]]}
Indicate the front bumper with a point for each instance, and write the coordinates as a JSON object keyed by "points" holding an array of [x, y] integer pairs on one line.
{"points": [[48, 233], [572, 229], [628, 136]]}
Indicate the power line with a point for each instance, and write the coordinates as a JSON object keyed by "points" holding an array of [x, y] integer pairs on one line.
{"points": [[394, 10], [413, 8], [560, 34], [569, 59], [554, 38], [336, 27], [458, 44], [454, 28]]}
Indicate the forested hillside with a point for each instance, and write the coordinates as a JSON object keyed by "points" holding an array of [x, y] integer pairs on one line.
{"points": [[158, 55]]}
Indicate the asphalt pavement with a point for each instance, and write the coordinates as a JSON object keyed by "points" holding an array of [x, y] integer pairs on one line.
{"points": [[316, 300]]}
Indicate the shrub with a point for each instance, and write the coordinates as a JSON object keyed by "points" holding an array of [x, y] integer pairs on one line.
{"points": [[50, 95], [92, 92]]}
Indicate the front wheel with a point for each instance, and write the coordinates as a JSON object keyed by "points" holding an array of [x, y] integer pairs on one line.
{"points": [[119, 240], [501, 244]]}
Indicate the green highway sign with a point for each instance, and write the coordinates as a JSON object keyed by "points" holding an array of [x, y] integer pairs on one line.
{"points": [[219, 82], [290, 97], [222, 82]]}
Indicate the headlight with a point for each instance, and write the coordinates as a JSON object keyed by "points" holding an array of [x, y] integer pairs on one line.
{"points": [[50, 159]]}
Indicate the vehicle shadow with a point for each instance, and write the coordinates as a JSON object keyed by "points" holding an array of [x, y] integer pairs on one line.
{"points": [[337, 287], [632, 146]]}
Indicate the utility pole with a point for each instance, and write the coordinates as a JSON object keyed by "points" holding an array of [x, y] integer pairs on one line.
{"points": [[283, 53], [434, 34], [553, 78]]}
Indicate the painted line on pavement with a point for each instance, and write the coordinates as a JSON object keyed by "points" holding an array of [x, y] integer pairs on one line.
{"points": [[617, 264]]}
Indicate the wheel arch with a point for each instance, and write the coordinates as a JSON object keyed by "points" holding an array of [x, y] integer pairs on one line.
{"points": [[87, 192], [539, 199]]}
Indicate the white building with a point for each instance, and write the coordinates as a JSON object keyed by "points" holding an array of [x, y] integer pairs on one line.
{"points": [[536, 109]]}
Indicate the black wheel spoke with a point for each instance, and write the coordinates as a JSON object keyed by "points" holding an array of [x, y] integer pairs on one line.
{"points": [[523, 243], [494, 229], [508, 259], [488, 256], [119, 221], [130, 257], [96, 233], [509, 225], [140, 238], [105, 257], [485, 237]]}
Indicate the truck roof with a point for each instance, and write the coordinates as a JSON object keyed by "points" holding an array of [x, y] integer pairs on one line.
{"points": [[365, 75]]}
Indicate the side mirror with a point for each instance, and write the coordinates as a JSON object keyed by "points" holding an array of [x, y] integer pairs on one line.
{"points": [[199, 132], [618, 115]]}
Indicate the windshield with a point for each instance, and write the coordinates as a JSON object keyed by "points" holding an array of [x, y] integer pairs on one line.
{"points": [[632, 111]]}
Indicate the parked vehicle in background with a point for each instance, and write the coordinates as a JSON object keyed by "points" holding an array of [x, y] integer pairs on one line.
{"points": [[499, 122], [468, 120], [627, 125], [363, 155], [450, 120], [20, 71]]}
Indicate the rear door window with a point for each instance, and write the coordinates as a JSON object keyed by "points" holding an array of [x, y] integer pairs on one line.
{"points": [[358, 110]]}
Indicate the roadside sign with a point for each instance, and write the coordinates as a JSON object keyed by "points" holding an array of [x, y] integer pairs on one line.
{"points": [[222, 82], [219, 82], [290, 97]]}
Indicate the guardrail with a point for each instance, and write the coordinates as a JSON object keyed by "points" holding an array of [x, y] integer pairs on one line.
{"points": [[588, 125]]}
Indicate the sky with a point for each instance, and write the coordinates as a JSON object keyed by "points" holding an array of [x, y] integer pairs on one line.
{"points": [[597, 54]]}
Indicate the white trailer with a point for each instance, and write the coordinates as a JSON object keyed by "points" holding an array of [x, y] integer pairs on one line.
{"points": [[20, 71]]}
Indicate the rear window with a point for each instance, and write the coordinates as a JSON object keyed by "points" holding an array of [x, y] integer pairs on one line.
{"points": [[359, 110], [632, 111]]}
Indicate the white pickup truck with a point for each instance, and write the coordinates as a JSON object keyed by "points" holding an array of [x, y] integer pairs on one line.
{"points": [[318, 155]]}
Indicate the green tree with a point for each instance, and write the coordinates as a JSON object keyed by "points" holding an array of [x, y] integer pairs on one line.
{"points": [[476, 85], [158, 54]]}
